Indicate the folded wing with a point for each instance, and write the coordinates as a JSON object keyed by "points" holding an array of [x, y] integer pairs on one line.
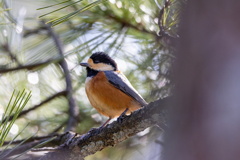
{"points": [[119, 81]]}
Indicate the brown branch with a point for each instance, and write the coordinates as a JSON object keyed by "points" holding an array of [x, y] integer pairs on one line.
{"points": [[32, 139], [126, 23], [6, 48], [73, 110], [79, 146], [38, 105], [7, 153], [30, 32], [28, 67]]}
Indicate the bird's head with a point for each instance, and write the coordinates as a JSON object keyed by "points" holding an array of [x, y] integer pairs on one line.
{"points": [[100, 62]]}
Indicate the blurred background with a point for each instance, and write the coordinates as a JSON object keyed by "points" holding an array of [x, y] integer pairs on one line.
{"points": [[137, 34]]}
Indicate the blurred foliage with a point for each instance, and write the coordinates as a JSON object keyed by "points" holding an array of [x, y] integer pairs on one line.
{"points": [[137, 34]]}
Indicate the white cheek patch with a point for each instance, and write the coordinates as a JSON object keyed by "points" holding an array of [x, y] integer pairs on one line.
{"points": [[106, 68], [102, 67]]}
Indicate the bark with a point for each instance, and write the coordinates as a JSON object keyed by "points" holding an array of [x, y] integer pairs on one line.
{"points": [[205, 123]]}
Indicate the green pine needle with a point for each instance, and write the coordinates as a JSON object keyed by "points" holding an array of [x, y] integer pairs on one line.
{"points": [[53, 5], [62, 19], [14, 107], [59, 9], [67, 17]]}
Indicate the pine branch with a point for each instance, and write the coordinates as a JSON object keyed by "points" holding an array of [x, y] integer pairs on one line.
{"points": [[126, 23], [79, 146], [28, 67], [29, 32], [32, 139], [21, 149], [9, 52]]}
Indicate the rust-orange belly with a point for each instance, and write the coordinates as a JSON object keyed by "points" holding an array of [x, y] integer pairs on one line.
{"points": [[107, 99]]}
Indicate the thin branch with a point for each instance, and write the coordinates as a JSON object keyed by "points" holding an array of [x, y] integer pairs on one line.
{"points": [[12, 56], [73, 110], [125, 23], [21, 149], [37, 106], [28, 67], [29, 32], [32, 139]]}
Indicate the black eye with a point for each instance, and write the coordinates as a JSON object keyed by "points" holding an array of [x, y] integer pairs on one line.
{"points": [[96, 61]]}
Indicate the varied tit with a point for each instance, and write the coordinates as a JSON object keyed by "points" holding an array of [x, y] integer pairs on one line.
{"points": [[108, 90]]}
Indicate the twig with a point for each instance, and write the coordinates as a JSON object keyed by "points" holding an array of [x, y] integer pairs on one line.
{"points": [[12, 56], [37, 106], [127, 24], [33, 31], [28, 67], [31, 139], [20, 149], [73, 110]]}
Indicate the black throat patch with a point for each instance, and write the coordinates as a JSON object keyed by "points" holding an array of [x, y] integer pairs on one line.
{"points": [[91, 72]]}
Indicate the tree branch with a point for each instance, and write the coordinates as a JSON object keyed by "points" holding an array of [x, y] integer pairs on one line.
{"points": [[28, 67], [73, 110], [30, 32], [76, 146], [139, 27], [6, 48], [32, 139]]}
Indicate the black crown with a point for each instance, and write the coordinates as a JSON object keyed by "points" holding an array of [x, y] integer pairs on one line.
{"points": [[101, 57]]}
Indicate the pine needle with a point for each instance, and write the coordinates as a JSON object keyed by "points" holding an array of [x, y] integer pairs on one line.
{"points": [[14, 107], [59, 9], [62, 19], [53, 5]]}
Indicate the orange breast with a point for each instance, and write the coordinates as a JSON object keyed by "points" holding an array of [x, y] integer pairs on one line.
{"points": [[107, 99]]}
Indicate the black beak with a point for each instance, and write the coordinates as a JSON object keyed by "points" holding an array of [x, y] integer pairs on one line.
{"points": [[84, 64]]}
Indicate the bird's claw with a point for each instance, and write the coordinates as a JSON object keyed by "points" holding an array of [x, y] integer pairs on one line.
{"points": [[121, 118]]}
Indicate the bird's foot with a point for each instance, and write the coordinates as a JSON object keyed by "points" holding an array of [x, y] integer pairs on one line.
{"points": [[122, 116]]}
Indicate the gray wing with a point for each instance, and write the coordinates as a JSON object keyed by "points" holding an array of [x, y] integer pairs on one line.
{"points": [[119, 81]]}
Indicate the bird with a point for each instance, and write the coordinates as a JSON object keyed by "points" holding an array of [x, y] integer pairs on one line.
{"points": [[108, 89]]}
